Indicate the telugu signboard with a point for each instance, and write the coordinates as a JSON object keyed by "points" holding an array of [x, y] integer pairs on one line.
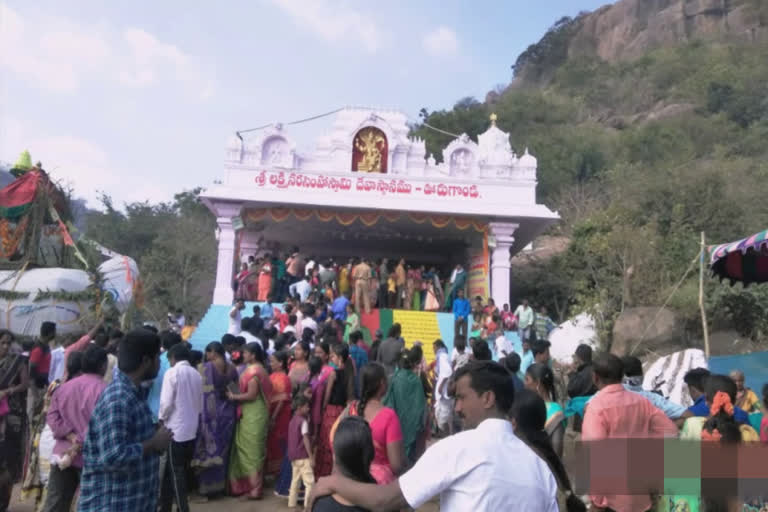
{"points": [[381, 186]]}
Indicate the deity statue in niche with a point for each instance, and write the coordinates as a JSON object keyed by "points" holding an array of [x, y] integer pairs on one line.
{"points": [[370, 151], [461, 162], [274, 152]]}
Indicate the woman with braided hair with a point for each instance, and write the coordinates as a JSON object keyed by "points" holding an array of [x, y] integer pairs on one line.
{"points": [[339, 391], [540, 379], [720, 393], [529, 413], [389, 456]]}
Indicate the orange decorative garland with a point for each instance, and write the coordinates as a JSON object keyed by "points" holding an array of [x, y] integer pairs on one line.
{"points": [[9, 241]]}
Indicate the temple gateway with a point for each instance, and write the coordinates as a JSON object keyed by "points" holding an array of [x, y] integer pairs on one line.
{"points": [[370, 190]]}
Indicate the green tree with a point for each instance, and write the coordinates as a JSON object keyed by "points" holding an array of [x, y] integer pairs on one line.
{"points": [[173, 244]]}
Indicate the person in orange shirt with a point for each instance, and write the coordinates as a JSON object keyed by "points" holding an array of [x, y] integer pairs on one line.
{"points": [[615, 413]]}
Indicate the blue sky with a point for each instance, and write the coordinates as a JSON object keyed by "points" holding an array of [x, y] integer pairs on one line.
{"points": [[137, 99]]}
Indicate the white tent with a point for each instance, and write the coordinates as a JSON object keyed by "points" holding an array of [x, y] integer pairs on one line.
{"points": [[570, 334], [666, 374], [24, 315]]}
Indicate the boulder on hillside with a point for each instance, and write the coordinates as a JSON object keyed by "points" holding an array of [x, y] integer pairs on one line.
{"points": [[650, 330], [544, 248]]}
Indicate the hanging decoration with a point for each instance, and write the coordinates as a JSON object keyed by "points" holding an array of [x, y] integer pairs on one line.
{"points": [[368, 219]]}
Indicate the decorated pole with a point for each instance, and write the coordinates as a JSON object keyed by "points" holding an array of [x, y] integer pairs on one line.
{"points": [[703, 255]]}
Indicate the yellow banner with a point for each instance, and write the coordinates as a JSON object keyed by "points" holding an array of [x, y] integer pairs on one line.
{"points": [[478, 275], [418, 326]]}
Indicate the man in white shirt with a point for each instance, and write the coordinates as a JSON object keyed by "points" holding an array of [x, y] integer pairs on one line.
{"points": [[503, 346], [248, 334], [484, 468], [308, 322], [291, 327], [524, 314], [235, 317], [181, 402], [301, 288], [57, 363], [310, 266], [443, 402]]}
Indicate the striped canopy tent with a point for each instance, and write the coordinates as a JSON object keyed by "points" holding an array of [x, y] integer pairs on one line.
{"points": [[745, 261]]}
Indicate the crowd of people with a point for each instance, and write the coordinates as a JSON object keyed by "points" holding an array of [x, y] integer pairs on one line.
{"points": [[295, 400], [367, 283]]}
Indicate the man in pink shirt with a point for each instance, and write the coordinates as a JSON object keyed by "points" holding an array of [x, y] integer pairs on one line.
{"points": [[617, 414], [68, 416]]}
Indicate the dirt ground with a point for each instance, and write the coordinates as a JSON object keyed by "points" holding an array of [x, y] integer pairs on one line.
{"points": [[270, 502]]}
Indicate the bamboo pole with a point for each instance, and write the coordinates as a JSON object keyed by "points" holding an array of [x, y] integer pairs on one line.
{"points": [[702, 256]]}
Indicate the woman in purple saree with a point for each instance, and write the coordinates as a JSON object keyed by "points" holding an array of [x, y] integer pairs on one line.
{"points": [[217, 422]]}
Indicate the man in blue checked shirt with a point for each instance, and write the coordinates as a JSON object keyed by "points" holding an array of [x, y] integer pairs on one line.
{"points": [[122, 448]]}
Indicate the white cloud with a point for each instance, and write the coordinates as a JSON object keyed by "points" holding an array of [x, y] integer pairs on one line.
{"points": [[335, 22], [79, 163], [441, 42], [66, 54]]}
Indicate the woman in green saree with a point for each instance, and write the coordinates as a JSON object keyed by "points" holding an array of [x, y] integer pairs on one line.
{"points": [[249, 446], [352, 322], [406, 396]]}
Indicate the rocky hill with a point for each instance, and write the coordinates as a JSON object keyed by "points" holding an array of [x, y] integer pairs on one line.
{"points": [[629, 29]]}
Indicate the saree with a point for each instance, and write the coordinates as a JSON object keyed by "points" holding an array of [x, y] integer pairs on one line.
{"points": [[344, 281], [351, 325], [251, 285], [246, 466], [298, 373], [37, 463], [385, 429], [406, 396], [240, 290], [217, 423], [555, 414], [265, 282], [11, 427], [431, 302], [278, 431]]}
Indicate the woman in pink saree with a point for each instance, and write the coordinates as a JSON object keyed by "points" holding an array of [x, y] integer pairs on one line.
{"points": [[389, 457]]}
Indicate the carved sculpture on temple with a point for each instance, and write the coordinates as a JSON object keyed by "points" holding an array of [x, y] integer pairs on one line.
{"points": [[367, 140], [370, 151]]}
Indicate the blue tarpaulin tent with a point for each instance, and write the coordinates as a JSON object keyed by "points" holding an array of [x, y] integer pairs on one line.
{"points": [[754, 366]]}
